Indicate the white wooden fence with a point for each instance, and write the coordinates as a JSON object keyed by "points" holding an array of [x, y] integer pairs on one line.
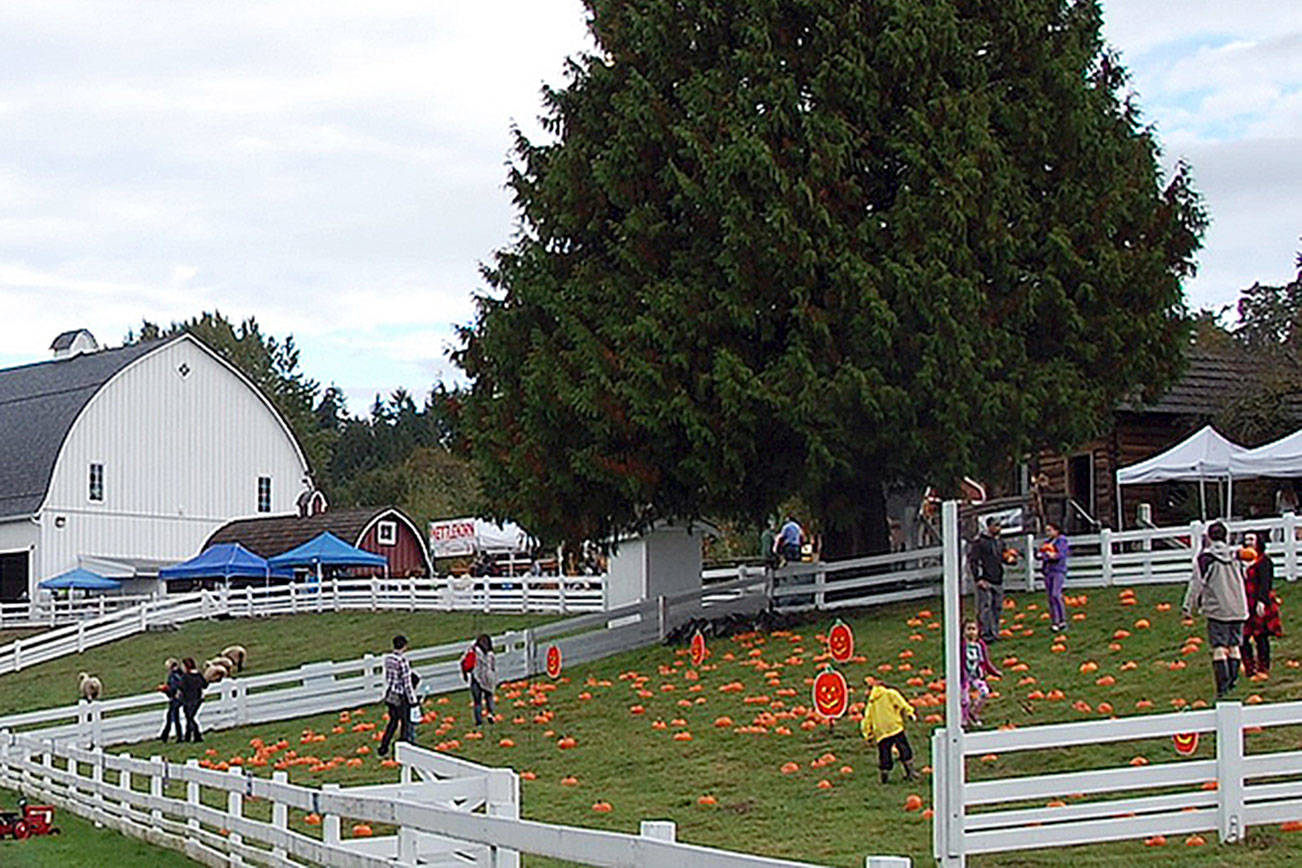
{"points": [[49, 611], [562, 595], [1223, 794], [458, 814]]}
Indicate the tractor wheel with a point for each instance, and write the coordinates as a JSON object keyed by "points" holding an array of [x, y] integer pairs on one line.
{"points": [[56, 831], [20, 830]]}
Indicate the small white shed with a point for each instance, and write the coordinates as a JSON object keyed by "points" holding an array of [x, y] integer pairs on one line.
{"points": [[660, 563]]}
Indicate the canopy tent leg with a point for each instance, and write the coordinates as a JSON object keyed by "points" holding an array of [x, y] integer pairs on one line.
{"points": [[1229, 498], [1202, 498]]}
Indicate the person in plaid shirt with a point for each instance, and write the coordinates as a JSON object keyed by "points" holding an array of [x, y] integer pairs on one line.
{"points": [[399, 694]]}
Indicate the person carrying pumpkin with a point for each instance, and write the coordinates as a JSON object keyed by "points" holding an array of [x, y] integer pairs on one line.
{"points": [[1263, 606], [1053, 555], [883, 723], [976, 665]]}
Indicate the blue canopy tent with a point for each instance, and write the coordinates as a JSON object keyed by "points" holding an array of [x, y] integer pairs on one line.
{"points": [[223, 561], [327, 550], [81, 580]]}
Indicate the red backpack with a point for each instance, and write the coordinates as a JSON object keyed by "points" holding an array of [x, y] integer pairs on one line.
{"points": [[468, 661]]}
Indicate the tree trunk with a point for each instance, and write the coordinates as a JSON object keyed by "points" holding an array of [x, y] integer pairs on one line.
{"points": [[853, 520]]}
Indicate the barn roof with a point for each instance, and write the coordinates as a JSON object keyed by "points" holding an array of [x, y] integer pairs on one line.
{"points": [[38, 404], [272, 535]]}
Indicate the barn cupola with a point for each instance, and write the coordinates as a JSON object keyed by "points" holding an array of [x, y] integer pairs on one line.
{"points": [[74, 343]]}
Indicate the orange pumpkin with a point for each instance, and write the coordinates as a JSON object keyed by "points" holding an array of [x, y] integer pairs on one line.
{"points": [[602, 807], [913, 802]]}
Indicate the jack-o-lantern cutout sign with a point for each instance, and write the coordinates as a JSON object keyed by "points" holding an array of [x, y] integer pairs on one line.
{"points": [[840, 641], [1185, 743], [698, 648], [831, 694], [553, 661]]}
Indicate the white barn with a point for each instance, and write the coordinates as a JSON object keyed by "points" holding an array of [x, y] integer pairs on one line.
{"points": [[123, 460]]}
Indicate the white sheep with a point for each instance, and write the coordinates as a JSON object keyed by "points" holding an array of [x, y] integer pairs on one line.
{"points": [[214, 672], [237, 655], [90, 687]]}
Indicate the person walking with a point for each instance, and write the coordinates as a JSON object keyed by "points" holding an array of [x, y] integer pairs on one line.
{"points": [[1263, 607], [172, 688], [789, 539], [883, 724], [399, 695], [986, 563], [483, 678], [1216, 590], [192, 686], [976, 666], [1053, 556]]}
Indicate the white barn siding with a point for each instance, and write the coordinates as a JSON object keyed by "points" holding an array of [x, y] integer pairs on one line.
{"points": [[181, 456]]}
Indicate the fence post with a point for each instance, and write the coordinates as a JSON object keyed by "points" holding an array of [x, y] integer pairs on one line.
{"points": [[1105, 549], [192, 798], [1229, 771], [952, 856], [241, 704], [1029, 561], [18, 654], [81, 636], [820, 589], [939, 779], [659, 830], [156, 780], [124, 784], [524, 593], [330, 821], [1195, 544], [235, 807], [662, 617], [279, 812], [1290, 546], [503, 800]]}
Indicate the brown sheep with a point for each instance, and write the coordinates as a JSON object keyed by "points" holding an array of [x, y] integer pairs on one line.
{"points": [[237, 655], [90, 687]]}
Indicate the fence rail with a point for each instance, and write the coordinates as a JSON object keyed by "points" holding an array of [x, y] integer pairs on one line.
{"points": [[50, 611]]}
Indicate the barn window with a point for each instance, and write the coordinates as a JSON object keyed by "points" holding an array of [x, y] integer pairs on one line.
{"points": [[96, 491], [264, 494], [386, 533]]}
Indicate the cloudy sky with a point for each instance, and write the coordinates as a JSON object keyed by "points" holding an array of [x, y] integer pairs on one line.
{"points": [[336, 169]]}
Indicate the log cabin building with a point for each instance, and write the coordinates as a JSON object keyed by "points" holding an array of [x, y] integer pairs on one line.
{"points": [[1079, 488]]}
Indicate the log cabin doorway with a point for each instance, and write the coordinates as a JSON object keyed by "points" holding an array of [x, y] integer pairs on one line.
{"points": [[1080, 490]]}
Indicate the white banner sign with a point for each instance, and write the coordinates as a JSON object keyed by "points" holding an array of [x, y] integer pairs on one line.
{"points": [[452, 539]]}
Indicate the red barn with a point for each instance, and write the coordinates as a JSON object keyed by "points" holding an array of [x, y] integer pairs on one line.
{"points": [[386, 531]]}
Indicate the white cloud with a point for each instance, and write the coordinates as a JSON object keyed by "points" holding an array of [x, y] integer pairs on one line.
{"points": [[336, 169]]}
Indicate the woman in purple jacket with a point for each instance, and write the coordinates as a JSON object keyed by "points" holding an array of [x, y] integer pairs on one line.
{"points": [[1053, 555]]}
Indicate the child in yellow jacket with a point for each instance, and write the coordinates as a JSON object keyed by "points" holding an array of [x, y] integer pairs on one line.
{"points": [[883, 723]]}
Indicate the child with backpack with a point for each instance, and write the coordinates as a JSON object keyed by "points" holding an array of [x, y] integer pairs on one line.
{"points": [[479, 668], [883, 723]]}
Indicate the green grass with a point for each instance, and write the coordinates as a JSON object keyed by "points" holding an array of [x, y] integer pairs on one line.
{"points": [[645, 774], [81, 845], [135, 665]]}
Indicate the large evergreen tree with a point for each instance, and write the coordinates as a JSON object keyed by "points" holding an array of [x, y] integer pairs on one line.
{"points": [[813, 246]]}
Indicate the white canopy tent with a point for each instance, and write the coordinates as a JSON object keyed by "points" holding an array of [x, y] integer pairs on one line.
{"points": [[1281, 458], [1203, 455]]}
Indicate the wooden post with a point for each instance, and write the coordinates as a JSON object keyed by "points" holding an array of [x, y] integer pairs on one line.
{"points": [[192, 797], [156, 780], [1290, 547], [1105, 549], [330, 822], [503, 800], [1229, 771], [235, 807], [279, 813], [953, 856]]}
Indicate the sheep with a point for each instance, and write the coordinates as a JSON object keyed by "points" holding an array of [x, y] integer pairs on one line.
{"points": [[223, 660], [90, 687], [238, 655], [214, 672]]}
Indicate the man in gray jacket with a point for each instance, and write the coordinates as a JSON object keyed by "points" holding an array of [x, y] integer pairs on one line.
{"points": [[1216, 590]]}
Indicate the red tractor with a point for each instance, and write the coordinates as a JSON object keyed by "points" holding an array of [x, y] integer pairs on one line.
{"points": [[30, 820]]}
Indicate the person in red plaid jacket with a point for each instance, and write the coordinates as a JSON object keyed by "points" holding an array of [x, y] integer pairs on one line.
{"points": [[399, 695]]}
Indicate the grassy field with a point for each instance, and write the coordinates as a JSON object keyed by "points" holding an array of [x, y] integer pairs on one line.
{"points": [[81, 845], [135, 665], [632, 760]]}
